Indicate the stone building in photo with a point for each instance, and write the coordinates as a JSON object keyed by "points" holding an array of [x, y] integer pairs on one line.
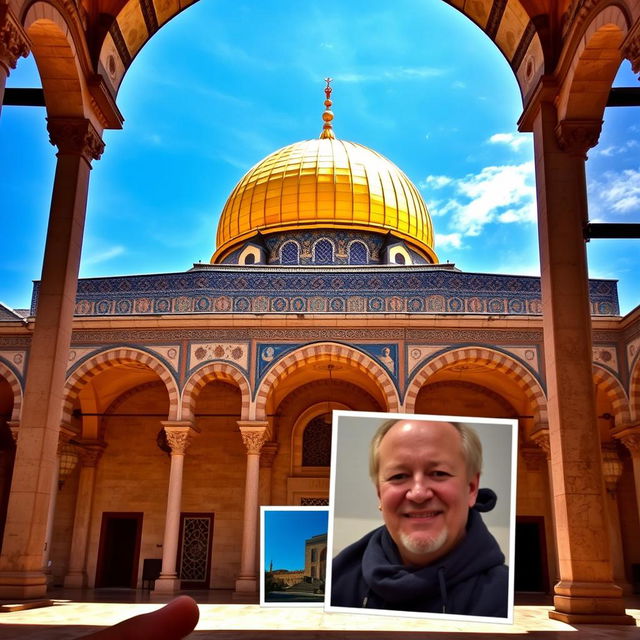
{"points": [[151, 417]]}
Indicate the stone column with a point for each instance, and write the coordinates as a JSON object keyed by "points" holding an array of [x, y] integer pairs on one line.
{"points": [[21, 573], [90, 453], [179, 437], [630, 438], [612, 468], [253, 436], [586, 592], [14, 44], [52, 509]]}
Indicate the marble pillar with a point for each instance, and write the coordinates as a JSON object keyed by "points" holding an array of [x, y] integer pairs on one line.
{"points": [[14, 44], [21, 574], [586, 592], [253, 436], [179, 437], [89, 453]]}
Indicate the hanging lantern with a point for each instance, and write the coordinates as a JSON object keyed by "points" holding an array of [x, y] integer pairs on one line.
{"points": [[611, 468], [68, 461]]}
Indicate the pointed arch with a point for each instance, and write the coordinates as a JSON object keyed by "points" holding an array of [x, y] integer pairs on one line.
{"points": [[615, 393], [490, 358], [205, 374], [595, 63], [339, 353], [634, 390], [16, 389], [99, 362]]}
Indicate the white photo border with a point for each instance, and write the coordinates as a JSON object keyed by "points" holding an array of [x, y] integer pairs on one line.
{"points": [[383, 416]]}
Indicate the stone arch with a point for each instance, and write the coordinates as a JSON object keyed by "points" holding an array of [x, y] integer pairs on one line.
{"points": [[615, 392], [339, 353], [207, 373], [634, 390], [16, 389], [106, 359], [493, 360], [595, 62], [54, 48]]}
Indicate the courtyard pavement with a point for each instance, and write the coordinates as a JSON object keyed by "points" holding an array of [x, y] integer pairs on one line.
{"points": [[77, 613]]}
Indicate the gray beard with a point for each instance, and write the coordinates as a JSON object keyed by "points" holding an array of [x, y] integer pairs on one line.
{"points": [[421, 545]]}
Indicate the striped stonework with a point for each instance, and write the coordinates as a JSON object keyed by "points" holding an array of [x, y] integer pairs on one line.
{"points": [[106, 359], [634, 391], [615, 393], [492, 360], [333, 352], [205, 374], [16, 389]]}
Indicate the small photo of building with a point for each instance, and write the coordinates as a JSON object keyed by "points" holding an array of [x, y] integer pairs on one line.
{"points": [[293, 553]]}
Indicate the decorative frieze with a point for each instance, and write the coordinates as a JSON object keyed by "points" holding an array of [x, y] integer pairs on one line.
{"points": [[576, 137], [14, 42], [75, 136]]}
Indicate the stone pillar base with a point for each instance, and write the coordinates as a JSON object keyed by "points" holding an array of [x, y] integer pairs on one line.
{"points": [[246, 585], [22, 585], [590, 610], [75, 580], [166, 584]]}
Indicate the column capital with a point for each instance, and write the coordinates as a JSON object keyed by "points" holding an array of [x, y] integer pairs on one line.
{"points": [[631, 48], [180, 434], [576, 137], [14, 42], [90, 452], [630, 438], [541, 438], [75, 136], [254, 434]]}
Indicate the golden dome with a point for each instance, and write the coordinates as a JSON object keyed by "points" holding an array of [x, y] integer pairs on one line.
{"points": [[325, 183]]}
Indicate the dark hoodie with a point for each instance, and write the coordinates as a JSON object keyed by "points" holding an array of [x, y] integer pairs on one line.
{"points": [[472, 579]]}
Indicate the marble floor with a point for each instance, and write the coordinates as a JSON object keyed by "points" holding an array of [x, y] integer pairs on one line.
{"points": [[75, 614]]}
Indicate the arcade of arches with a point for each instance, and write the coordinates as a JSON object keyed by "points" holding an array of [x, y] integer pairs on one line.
{"points": [[146, 414]]}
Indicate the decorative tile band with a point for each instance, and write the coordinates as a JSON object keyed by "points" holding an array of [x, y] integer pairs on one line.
{"points": [[383, 290]]}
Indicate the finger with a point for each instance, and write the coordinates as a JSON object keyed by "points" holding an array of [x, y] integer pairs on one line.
{"points": [[172, 622]]}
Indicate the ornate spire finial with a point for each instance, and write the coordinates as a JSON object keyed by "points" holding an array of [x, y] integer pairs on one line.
{"points": [[327, 116]]}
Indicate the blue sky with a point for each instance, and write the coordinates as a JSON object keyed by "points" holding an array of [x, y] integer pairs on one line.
{"points": [[285, 533], [226, 83]]}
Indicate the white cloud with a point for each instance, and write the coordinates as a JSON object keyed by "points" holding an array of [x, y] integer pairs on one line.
{"points": [[503, 194], [614, 192], [448, 241], [514, 140], [613, 150], [98, 257], [395, 73]]}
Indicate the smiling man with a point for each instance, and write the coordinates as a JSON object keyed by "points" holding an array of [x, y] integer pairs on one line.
{"points": [[434, 552]]}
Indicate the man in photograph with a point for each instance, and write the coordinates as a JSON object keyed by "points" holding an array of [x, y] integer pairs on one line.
{"points": [[434, 553]]}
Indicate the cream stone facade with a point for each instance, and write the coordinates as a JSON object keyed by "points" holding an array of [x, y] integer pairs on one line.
{"points": [[147, 418]]}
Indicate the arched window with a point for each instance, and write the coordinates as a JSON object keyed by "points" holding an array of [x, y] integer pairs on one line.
{"points": [[400, 259], [358, 253], [323, 252], [290, 253], [250, 259], [316, 442]]}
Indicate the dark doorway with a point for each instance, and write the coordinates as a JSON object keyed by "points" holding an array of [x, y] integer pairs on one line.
{"points": [[194, 550], [119, 550], [531, 572]]}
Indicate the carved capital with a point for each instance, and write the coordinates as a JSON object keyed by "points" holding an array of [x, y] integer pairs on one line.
{"points": [[631, 48], [254, 435], [576, 137], [541, 438], [90, 453], [179, 436], [14, 42], [76, 136]]}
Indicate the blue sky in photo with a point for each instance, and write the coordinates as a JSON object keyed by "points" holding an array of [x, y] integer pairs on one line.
{"points": [[226, 83], [285, 533]]}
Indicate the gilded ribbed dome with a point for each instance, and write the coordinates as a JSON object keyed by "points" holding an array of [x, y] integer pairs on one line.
{"points": [[325, 183]]}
